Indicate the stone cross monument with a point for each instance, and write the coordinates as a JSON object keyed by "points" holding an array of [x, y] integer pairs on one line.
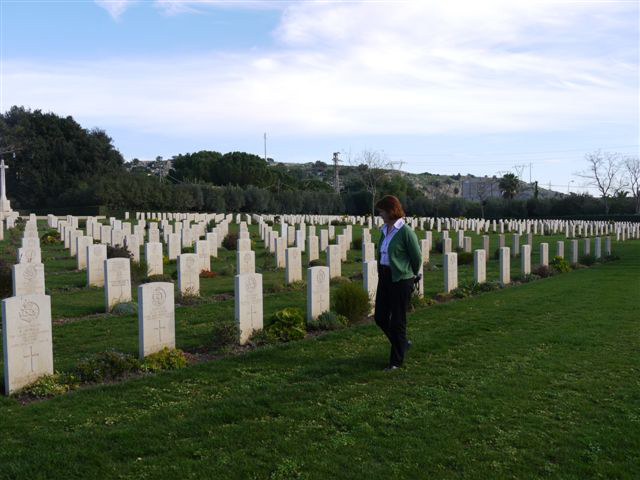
{"points": [[5, 204]]}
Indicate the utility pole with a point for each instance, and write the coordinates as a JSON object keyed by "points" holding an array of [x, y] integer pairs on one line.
{"points": [[265, 147], [336, 179]]}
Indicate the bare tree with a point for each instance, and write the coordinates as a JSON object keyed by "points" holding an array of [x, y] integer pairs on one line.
{"points": [[602, 173], [484, 191], [632, 172], [374, 167]]}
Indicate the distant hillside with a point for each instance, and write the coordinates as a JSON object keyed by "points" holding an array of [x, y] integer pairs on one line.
{"points": [[468, 187]]}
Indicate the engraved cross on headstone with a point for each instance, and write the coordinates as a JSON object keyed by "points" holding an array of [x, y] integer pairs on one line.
{"points": [[30, 356], [159, 328]]}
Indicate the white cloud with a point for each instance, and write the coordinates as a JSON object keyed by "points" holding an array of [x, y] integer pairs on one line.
{"points": [[115, 7], [367, 68]]}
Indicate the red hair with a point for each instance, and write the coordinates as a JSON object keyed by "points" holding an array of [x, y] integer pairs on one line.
{"points": [[392, 206]]}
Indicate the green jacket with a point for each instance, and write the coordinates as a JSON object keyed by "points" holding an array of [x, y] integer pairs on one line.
{"points": [[404, 254]]}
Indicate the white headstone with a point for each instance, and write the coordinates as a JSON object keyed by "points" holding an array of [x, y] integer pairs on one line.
{"points": [[153, 256], [245, 262], [156, 317], [189, 274], [202, 250], [28, 279], [26, 340], [293, 268], [317, 291], [505, 266], [248, 304], [370, 281], [96, 255], [117, 282], [525, 259], [544, 254], [450, 266], [480, 266], [334, 256]]}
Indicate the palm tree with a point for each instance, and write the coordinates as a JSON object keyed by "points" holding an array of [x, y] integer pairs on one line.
{"points": [[509, 185]]}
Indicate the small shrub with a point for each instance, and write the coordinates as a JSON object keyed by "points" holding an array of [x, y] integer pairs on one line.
{"points": [[260, 338], [188, 250], [230, 242], [543, 271], [165, 359], [157, 278], [438, 245], [297, 285], [496, 254], [328, 321], [352, 301], [50, 237], [610, 258], [226, 270], [417, 301], [357, 243], [468, 289], [225, 332], [126, 308], [104, 366], [118, 252], [465, 258], [165, 260], [340, 280], [338, 222], [277, 287], [287, 324], [559, 265], [50, 386], [139, 271], [316, 263], [587, 260], [6, 278], [208, 274], [190, 298]]}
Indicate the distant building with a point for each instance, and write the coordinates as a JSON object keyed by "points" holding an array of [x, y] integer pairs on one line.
{"points": [[158, 167]]}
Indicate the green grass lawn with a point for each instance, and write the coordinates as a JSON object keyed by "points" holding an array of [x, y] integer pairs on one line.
{"points": [[538, 380]]}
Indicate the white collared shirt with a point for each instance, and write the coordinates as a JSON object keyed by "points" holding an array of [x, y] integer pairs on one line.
{"points": [[388, 235]]}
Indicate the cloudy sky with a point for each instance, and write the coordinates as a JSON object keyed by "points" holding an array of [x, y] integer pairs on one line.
{"points": [[445, 87]]}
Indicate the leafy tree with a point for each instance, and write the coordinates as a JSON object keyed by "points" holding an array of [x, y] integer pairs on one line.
{"points": [[53, 155], [509, 185]]}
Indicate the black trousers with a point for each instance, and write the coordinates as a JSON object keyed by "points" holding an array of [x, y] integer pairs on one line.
{"points": [[392, 302]]}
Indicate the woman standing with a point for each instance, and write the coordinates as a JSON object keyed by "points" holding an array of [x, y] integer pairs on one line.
{"points": [[399, 260]]}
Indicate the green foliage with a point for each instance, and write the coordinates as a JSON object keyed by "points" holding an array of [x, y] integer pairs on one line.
{"points": [[340, 280], [125, 308], [587, 260], [286, 325], [54, 155], [328, 321], [468, 289], [139, 271], [50, 237], [118, 252], [559, 265], [50, 386], [106, 366], [543, 271], [610, 258], [417, 301], [157, 278], [230, 241], [465, 258], [224, 332], [316, 263], [260, 338], [165, 359], [357, 243], [6, 279], [509, 185], [352, 301]]}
